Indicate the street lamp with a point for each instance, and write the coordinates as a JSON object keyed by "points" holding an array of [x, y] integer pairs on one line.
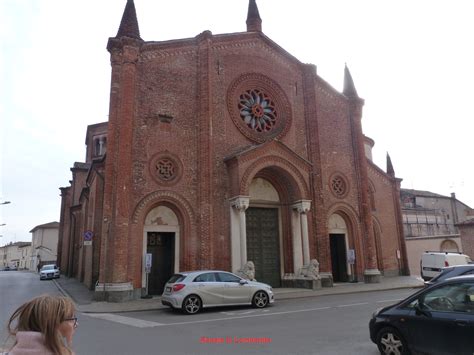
{"points": [[5, 203], [3, 224]]}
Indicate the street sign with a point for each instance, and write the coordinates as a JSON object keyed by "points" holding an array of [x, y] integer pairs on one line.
{"points": [[148, 261], [351, 256], [88, 237]]}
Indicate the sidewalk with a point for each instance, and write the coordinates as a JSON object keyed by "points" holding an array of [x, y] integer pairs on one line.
{"points": [[83, 297]]}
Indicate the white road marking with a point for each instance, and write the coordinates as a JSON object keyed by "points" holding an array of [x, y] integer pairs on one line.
{"points": [[250, 316], [232, 315], [384, 301], [134, 322], [237, 313], [352, 304]]}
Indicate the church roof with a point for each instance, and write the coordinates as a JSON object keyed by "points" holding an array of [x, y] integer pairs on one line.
{"points": [[421, 193]]}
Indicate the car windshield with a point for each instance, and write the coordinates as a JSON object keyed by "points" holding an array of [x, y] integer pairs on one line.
{"points": [[48, 267]]}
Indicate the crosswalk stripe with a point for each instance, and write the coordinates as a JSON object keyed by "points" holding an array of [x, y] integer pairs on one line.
{"points": [[139, 323]]}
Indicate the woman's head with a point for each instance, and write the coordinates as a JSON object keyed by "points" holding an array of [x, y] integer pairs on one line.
{"points": [[50, 315]]}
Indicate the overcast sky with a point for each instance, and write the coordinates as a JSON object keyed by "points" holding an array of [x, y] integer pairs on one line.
{"points": [[412, 62]]}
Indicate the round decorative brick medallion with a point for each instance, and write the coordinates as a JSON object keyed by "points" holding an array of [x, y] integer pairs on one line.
{"points": [[165, 168], [338, 185], [258, 107]]}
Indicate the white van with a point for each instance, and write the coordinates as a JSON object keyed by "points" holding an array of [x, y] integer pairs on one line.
{"points": [[433, 261]]}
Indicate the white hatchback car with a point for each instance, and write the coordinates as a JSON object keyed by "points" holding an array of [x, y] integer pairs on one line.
{"points": [[50, 271], [191, 291]]}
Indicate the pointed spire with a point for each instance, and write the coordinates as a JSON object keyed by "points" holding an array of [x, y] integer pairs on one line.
{"points": [[349, 87], [390, 170], [254, 22], [129, 24]]}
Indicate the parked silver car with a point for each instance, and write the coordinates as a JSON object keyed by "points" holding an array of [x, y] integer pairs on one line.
{"points": [[50, 271], [191, 291]]}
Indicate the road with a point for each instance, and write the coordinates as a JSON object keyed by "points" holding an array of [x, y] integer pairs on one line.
{"points": [[335, 324]]}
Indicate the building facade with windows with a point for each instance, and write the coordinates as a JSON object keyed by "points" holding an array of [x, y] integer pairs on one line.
{"points": [[430, 223], [220, 150], [15, 255], [44, 245]]}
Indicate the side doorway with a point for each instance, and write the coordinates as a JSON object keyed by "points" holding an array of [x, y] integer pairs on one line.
{"points": [[161, 246], [338, 257]]}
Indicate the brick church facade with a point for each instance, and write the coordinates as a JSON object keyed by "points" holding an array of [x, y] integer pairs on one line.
{"points": [[224, 149]]}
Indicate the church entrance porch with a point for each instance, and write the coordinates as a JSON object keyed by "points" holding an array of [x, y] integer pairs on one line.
{"points": [[263, 244], [161, 246]]}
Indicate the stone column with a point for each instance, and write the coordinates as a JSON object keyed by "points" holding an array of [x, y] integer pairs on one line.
{"points": [[239, 205], [303, 209]]}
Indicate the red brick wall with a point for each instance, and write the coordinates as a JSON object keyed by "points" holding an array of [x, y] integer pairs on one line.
{"points": [[171, 99], [386, 221]]}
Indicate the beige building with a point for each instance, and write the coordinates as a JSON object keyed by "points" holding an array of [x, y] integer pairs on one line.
{"points": [[44, 245], [15, 255], [430, 223]]}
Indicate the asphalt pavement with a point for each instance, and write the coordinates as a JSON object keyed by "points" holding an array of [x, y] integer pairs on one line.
{"points": [[83, 297]]}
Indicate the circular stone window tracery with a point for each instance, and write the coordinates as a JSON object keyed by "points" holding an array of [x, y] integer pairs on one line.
{"points": [[258, 107], [338, 185], [165, 168], [257, 110]]}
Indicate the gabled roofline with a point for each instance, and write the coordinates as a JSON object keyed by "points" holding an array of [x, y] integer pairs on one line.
{"points": [[50, 225]]}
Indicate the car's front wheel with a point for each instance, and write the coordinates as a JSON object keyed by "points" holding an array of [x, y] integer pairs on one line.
{"points": [[260, 299], [192, 304], [390, 342]]}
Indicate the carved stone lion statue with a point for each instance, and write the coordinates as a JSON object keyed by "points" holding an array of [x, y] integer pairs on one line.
{"points": [[311, 270], [248, 271]]}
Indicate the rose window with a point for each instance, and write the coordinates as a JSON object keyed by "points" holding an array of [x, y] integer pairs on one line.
{"points": [[338, 186], [165, 169], [257, 110]]}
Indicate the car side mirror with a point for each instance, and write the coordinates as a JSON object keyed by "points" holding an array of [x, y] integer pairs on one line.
{"points": [[420, 309], [243, 282]]}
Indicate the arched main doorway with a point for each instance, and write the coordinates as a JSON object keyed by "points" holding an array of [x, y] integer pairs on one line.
{"points": [[161, 241], [263, 231]]}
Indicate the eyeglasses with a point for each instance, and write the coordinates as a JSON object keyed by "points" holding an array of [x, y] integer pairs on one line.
{"points": [[74, 319]]}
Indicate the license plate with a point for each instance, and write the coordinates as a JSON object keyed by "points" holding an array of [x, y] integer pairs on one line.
{"points": [[50, 274]]}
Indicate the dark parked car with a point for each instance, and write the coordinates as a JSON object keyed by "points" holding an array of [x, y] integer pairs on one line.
{"points": [[452, 271], [438, 319]]}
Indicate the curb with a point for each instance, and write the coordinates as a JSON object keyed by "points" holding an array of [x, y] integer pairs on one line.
{"points": [[65, 293]]}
